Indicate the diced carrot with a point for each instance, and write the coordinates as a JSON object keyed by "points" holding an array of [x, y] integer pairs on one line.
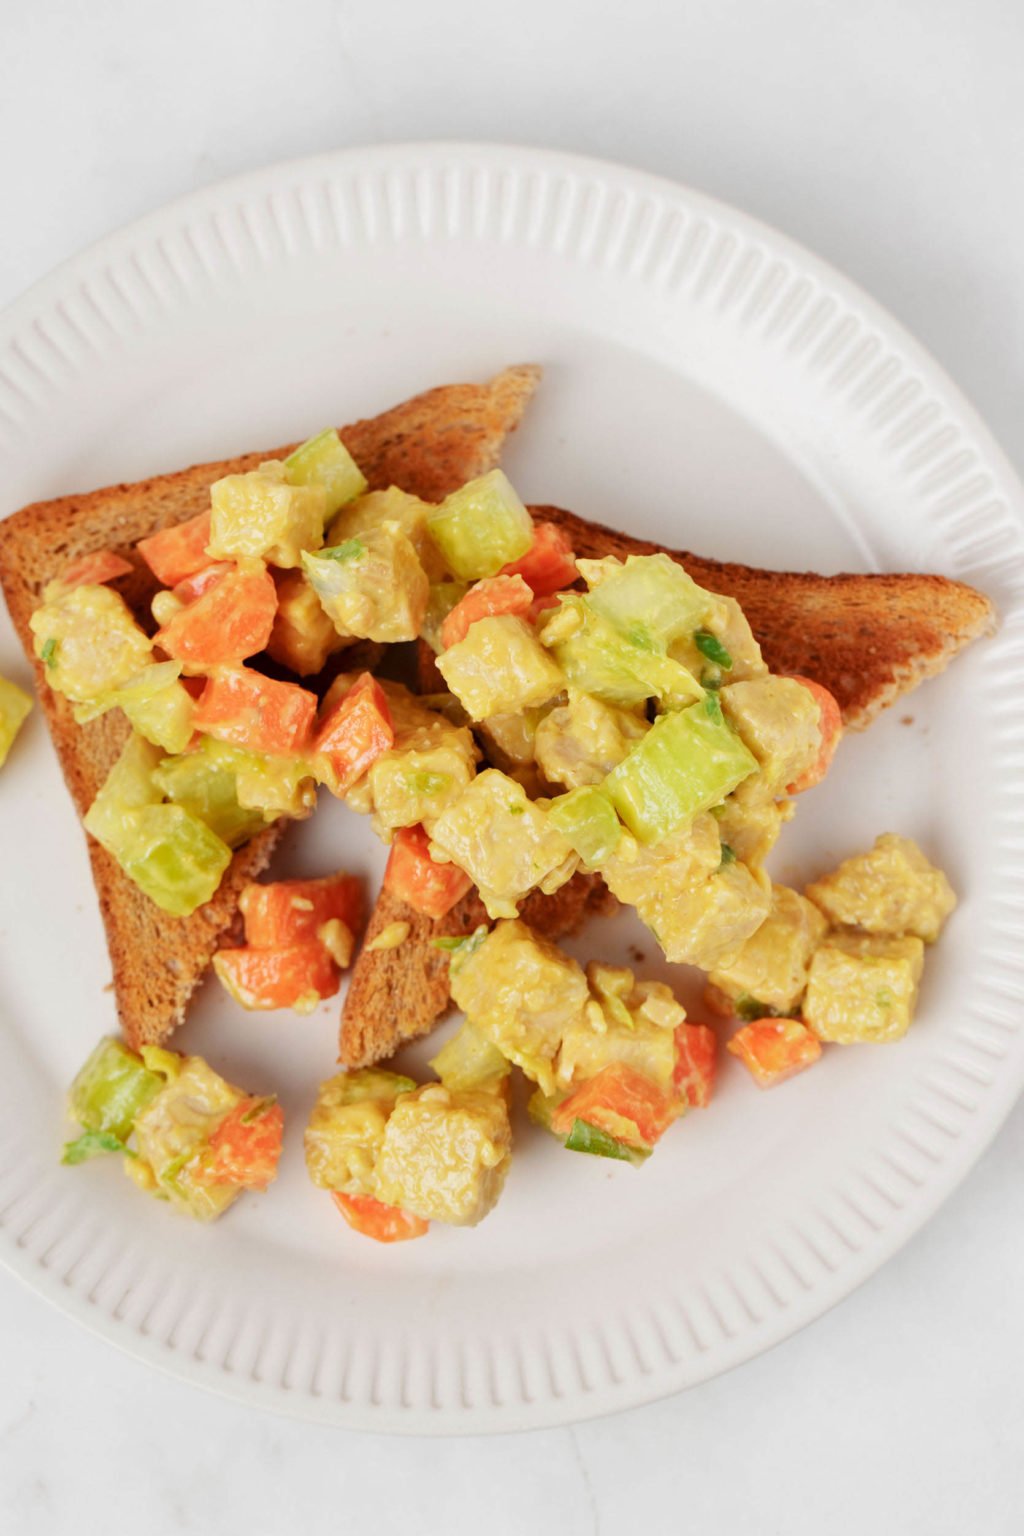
{"points": [[549, 565], [488, 599], [413, 876], [246, 1146], [194, 586], [291, 911], [94, 569], [355, 731], [281, 977], [831, 726], [250, 710], [774, 1049], [620, 1101], [694, 1074], [174, 553], [384, 1223], [230, 621]]}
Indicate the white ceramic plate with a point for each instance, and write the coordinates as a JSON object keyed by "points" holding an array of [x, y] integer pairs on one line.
{"points": [[710, 384]]}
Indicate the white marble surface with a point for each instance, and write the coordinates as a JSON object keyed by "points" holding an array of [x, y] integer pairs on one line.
{"points": [[887, 137]]}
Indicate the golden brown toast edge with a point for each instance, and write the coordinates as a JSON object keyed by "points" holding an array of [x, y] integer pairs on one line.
{"points": [[428, 446]]}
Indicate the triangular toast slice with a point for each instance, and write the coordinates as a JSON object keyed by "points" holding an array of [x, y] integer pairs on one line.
{"points": [[869, 639], [428, 446]]}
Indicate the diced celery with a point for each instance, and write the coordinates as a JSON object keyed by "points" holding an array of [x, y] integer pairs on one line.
{"points": [[587, 1138], [15, 704], [442, 599], [173, 857], [156, 702], [481, 527], [128, 785], [598, 658], [469, 1060], [111, 1088], [587, 819], [203, 783], [166, 1064], [325, 461], [275, 786], [650, 598], [686, 763]]}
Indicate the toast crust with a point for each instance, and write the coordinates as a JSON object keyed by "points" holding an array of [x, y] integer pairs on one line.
{"points": [[428, 446]]}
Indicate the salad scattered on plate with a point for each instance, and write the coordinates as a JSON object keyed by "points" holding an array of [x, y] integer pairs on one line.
{"points": [[604, 715]]}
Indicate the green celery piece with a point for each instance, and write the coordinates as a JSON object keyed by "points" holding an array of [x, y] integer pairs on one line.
{"points": [[713, 707], [112, 1088], [208, 788], [650, 595], [93, 1144], [588, 1138], [540, 1107], [324, 460], [128, 786], [469, 1060], [684, 765], [481, 527], [48, 652], [586, 819], [173, 857], [598, 658], [710, 646]]}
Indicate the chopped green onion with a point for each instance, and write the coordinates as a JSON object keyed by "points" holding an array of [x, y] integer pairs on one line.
{"points": [[46, 655], [588, 1138], [750, 1008], [728, 855], [710, 677], [349, 550], [712, 707], [93, 1144], [257, 1110], [710, 646], [462, 948]]}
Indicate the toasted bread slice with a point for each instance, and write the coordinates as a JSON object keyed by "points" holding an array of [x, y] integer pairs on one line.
{"points": [[428, 446], [868, 639], [395, 995]]}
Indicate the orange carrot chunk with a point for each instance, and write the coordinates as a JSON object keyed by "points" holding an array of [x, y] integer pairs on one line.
{"points": [[355, 731], [831, 726], [549, 565], [174, 553], [384, 1223], [488, 599], [413, 876], [231, 620], [246, 1146], [292, 911], [774, 1049], [694, 1075], [621, 1102], [93, 570], [250, 710], [286, 976]]}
